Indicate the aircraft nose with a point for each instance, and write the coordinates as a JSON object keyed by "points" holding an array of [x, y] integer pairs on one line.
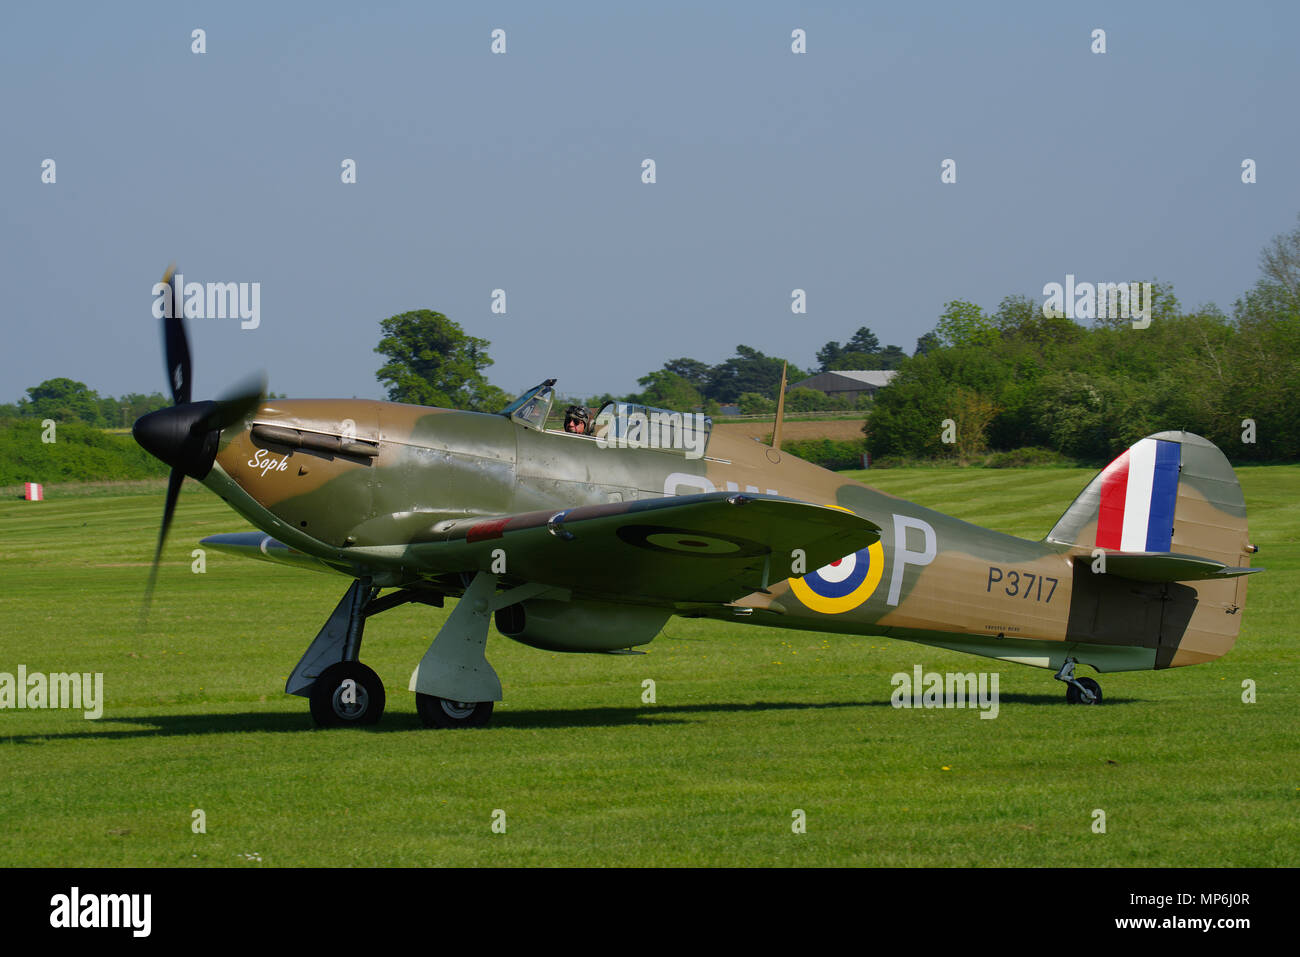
{"points": [[178, 436]]}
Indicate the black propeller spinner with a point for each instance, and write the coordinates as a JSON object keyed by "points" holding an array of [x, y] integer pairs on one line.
{"points": [[185, 436]]}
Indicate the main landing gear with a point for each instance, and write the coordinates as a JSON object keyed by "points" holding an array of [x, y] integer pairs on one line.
{"points": [[454, 685], [343, 692], [1078, 690]]}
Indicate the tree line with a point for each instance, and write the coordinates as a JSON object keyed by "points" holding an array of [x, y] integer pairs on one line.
{"points": [[67, 400], [432, 361], [751, 380], [1019, 377], [1015, 378]]}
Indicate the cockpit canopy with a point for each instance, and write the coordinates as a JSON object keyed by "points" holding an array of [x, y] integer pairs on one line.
{"points": [[620, 424]]}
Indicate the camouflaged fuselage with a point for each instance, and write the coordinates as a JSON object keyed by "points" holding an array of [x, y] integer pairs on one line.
{"points": [[930, 578]]}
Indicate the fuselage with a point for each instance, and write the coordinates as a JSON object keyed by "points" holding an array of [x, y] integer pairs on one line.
{"points": [[370, 481]]}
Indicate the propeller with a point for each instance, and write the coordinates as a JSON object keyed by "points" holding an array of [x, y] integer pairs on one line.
{"points": [[176, 345], [185, 436]]}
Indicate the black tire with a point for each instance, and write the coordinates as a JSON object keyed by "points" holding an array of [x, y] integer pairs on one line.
{"points": [[1073, 696], [328, 707], [438, 712]]}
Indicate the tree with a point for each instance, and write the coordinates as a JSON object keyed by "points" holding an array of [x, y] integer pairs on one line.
{"points": [[1019, 317], [860, 352], [1261, 362], [964, 324], [890, 357], [747, 371], [971, 413], [853, 360], [692, 370], [1095, 417], [864, 340], [906, 417], [927, 343], [810, 400], [827, 355], [751, 403], [62, 400], [668, 390], [1163, 304], [1280, 263], [431, 361]]}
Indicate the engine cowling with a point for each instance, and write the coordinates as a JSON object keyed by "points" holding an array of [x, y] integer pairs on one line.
{"points": [[580, 626]]}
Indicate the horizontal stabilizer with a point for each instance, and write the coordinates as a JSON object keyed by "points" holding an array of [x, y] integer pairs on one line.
{"points": [[1167, 567]]}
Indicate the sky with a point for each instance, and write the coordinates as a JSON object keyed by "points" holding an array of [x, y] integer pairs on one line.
{"points": [[523, 171]]}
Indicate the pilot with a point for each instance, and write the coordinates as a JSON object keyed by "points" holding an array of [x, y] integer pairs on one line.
{"points": [[577, 419]]}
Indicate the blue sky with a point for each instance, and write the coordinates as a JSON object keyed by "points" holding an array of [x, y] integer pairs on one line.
{"points": [[476, 171]]}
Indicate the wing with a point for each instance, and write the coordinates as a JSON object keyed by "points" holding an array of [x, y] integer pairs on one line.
{"points": [[714, 547]]}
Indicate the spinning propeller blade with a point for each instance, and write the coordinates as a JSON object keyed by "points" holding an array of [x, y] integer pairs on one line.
{"points": [[185, 435]]}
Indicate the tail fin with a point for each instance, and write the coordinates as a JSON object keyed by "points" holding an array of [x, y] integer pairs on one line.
{"points": [[1171, 494]]}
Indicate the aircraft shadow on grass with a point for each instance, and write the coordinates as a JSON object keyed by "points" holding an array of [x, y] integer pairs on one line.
{"points": [[252, 722]]}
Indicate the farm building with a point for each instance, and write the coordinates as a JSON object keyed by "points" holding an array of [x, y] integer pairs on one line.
{"points": [[848, 383]]}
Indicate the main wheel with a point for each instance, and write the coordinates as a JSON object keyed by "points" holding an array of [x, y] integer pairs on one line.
{"points": [[438, 712], [1073, 696], [347, 693]]}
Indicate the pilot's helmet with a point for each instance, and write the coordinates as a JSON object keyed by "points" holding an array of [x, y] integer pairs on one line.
{"points": [[578, 413]]}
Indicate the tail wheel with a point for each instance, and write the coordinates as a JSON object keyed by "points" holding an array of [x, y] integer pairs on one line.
{"points": [[1074, 696], [438, 712], [347, 694]]}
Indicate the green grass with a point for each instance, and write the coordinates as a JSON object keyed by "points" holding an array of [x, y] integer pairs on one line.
{"points": [[749, 724]]}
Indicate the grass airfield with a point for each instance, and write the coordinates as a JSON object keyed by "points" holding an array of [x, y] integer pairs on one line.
{"points": [[749, 724]]}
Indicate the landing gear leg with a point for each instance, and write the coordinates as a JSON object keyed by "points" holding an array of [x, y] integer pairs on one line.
{"points": [[454, 685], [341, 689], [1078, 690]]}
